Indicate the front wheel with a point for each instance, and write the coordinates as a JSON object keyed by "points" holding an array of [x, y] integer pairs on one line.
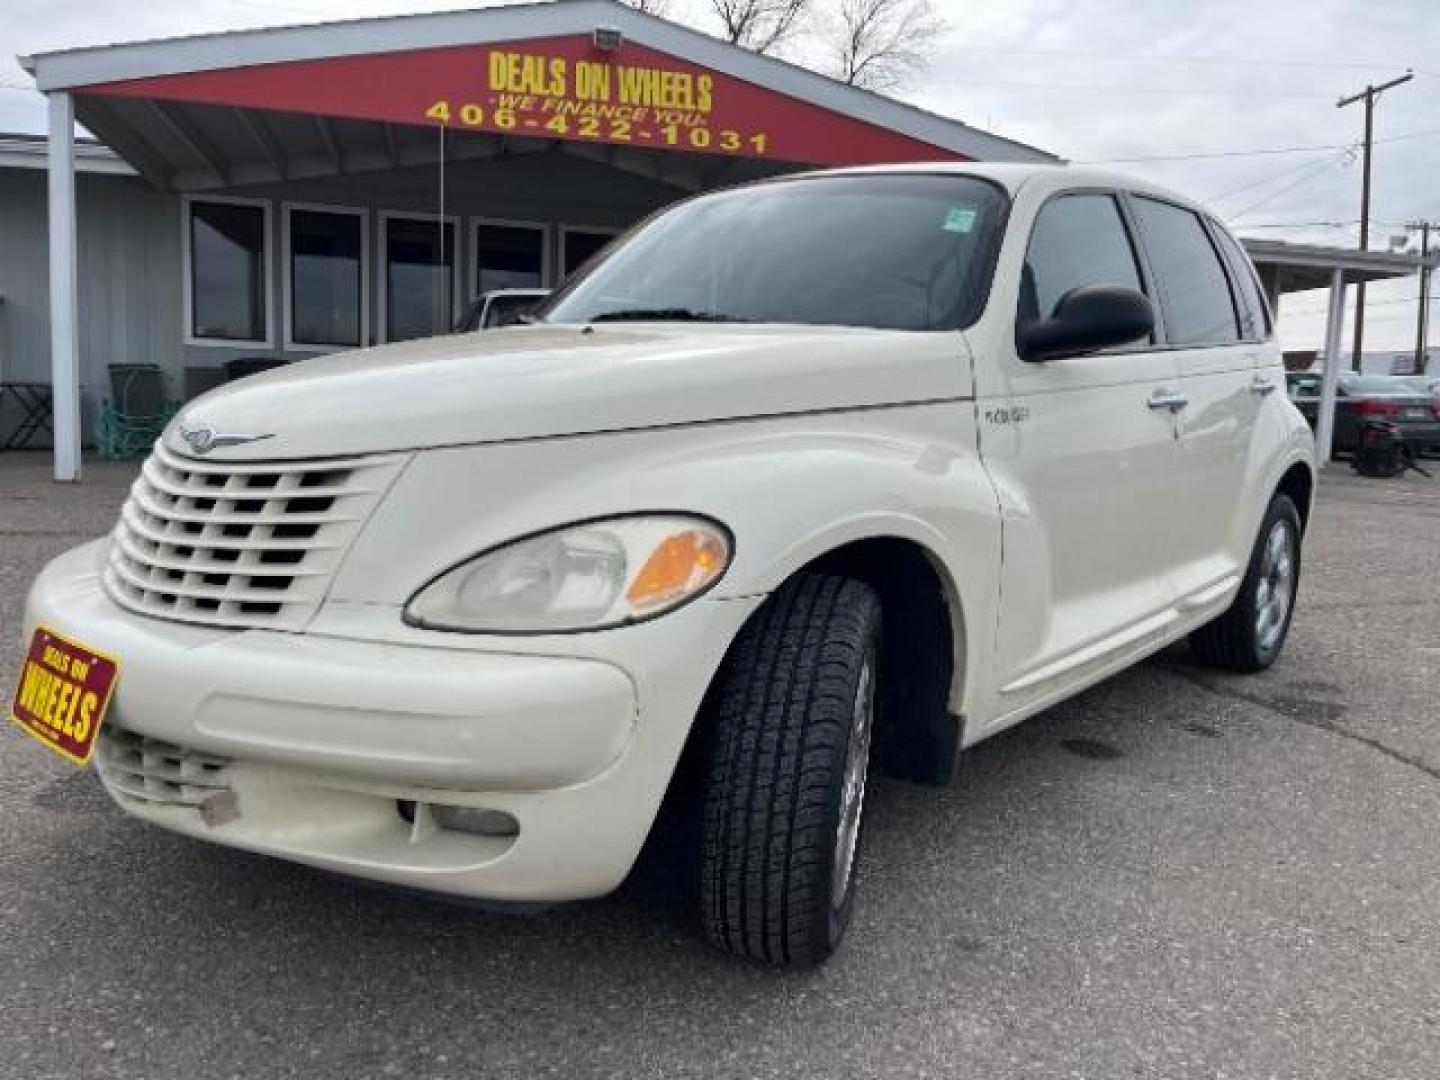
{"points": [[788, 754], [1250, 635]]}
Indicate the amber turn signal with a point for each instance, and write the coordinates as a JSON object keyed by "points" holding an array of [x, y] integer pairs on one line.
{"points": [[683, 564]]}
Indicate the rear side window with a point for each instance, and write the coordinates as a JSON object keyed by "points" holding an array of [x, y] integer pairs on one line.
{"points": [[1194, 292], [1254, 314], [1077, 240]]}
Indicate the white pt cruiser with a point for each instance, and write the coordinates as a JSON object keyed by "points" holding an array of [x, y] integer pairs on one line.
{"points": [[835, 471]]}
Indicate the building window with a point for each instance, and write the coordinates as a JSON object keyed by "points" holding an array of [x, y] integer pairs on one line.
{"points": [[325, 277], [577, 245], [509, 255], [227, 251], [418, 288]]}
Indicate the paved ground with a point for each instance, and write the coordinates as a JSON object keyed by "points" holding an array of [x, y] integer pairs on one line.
{"points": [[1176, 875]]}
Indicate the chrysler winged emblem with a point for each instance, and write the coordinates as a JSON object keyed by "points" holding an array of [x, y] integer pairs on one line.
{"points": [[203, 439]]}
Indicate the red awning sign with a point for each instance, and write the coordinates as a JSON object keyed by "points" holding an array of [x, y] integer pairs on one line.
{"points": [[558, 88]]}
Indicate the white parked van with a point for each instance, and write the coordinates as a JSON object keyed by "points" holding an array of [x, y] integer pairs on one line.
{"points": [[829, 472]]}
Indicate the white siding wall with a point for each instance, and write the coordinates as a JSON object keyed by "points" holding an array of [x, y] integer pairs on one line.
{"points": [[129, 255]]}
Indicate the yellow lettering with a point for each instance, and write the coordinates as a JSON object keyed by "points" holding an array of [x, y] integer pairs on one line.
{"points": [[48, 709], [33, 687], [705, 98], [89, 702], [499, 70], [60, 706], [76, 697]]}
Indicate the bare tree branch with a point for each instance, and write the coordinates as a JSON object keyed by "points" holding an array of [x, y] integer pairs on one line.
{"points": [[761, 25], [650, 7], [883, 44]]}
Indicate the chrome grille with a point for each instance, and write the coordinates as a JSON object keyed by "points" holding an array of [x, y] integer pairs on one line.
{"points": [[243, 544], [157, 771]]}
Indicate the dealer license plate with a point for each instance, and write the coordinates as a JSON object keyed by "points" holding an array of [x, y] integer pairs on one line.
{"points": [[62, 693]]}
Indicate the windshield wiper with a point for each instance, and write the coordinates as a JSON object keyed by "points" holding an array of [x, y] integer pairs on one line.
{"points": [[671, 314]]}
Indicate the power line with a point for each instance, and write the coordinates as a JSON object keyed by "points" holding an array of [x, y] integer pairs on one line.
{"points": [[1309, 165], [1371, 303], [1314, 172], [1207, 154], [1257, 61], [1131, 89]]}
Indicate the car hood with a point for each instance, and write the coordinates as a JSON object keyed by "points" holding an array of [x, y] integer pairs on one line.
{"points": [[532, 382]]}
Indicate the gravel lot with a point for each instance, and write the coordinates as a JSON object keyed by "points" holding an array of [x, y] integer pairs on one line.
{"points": [[1175, 875]]}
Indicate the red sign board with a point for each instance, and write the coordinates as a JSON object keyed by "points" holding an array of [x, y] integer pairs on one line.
{"points": [[62, 693], [556, 88]]}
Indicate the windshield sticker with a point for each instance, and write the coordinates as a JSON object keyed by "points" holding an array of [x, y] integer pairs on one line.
{"points": [[960, 219]]}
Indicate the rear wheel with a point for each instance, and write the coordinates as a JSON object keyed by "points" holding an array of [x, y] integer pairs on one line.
{"points": [[1250, 635], [786, 767]]}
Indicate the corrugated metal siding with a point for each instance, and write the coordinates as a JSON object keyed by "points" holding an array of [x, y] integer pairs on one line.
{"points": [[128, 280]]}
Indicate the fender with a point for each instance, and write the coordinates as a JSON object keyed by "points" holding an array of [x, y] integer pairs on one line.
{"points": [[788, 491]]}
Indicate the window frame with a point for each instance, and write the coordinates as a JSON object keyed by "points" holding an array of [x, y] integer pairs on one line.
{"points": [[1163, 340], [563, 234], [1149, 286], [288, 280], [547, 250], [457, 264], [1218, 233], [187, 272]]}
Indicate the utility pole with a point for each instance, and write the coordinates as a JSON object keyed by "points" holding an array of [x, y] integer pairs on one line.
{"points": [[1368, 95], [1422, 324]]}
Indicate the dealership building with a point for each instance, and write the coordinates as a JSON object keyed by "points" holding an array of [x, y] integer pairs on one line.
{"points": [[275, 194], [269, 195]]}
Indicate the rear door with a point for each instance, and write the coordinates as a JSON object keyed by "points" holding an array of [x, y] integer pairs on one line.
{"points": [[1219, 369], [1085, 458]]}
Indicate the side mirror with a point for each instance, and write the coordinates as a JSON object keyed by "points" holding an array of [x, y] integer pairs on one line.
{"points": [[1086, 320]]}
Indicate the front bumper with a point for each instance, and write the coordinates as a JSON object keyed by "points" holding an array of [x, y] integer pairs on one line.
{"points": [[304, 745]]}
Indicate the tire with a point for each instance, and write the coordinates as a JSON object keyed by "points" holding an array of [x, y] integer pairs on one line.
{"points": [[793, 700], [1241, 640]]}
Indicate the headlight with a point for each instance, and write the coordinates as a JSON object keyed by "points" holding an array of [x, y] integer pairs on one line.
{"points": [[584, 577]]}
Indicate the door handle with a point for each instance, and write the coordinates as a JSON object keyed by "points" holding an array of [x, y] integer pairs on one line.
{"points": [[1262, 386], [1168, 399]]}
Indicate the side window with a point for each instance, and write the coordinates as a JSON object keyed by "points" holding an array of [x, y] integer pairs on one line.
{"points": [[1254, 313], [1077, 240], [1194, 290]]}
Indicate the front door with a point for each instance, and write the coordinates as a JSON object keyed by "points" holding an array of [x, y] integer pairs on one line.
{"points": [[1084, 454]]}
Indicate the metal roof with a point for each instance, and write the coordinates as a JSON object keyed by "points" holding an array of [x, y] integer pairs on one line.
{"points": [[74, 69], [1301, 267], [22, 151]]}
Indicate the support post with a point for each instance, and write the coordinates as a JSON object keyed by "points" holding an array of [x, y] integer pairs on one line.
{"points": [[1334, 323], [64, 323]]}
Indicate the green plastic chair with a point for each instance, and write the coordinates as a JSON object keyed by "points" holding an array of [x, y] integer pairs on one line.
{"points": [[137, 410]]}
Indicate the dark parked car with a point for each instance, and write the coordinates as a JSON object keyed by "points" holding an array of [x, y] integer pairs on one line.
{"points": [[1395, 399]]}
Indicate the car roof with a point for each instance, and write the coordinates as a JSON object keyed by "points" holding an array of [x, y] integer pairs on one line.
{"points": [[1012, 176]]}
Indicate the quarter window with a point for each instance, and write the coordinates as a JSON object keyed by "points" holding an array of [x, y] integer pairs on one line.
{"points": [[326, 277], [1254, 313], [509, 256], [227, 252], [1199, 309], [1077, 240]]}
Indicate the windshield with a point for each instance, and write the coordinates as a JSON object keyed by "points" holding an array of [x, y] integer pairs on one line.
{"points": [[900, 252]]}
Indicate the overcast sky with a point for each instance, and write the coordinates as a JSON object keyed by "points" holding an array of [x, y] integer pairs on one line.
{"points": [[1092, 80]]}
